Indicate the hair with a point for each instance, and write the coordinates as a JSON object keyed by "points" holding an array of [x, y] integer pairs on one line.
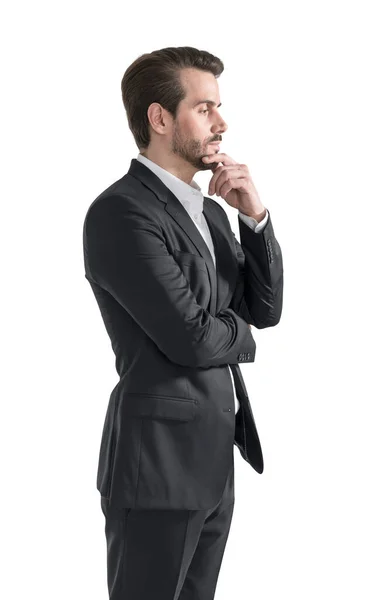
{"points": [[155, 77]]}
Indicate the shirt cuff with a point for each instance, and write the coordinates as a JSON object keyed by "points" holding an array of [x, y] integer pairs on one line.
{"points": [[253, 223]]}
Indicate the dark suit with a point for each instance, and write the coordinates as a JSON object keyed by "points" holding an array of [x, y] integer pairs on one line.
{"points": [[175, 324]]}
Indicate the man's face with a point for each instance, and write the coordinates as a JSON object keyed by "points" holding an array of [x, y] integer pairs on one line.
{"points": [[198, 124]]}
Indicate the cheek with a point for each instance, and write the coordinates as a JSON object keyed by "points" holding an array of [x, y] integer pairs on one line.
{"points": [[196, 125], [194, 129]]}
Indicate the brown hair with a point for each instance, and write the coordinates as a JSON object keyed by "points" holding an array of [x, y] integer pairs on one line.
{"points": [[155, 77]]}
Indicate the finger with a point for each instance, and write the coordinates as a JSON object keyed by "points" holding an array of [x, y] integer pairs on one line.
{"points": [[222, 176], [219, 157], [241, 184], [218, 172]]}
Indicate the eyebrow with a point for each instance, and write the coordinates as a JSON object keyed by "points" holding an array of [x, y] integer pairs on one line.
{"points": [[211, 102]]}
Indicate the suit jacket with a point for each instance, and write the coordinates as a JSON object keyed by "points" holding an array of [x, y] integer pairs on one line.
{"points": [[176, 326]]}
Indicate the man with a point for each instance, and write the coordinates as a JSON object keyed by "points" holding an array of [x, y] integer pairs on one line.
{"points": [[178, 295]]}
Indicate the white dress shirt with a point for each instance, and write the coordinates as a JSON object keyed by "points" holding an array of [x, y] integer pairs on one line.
{"points": [[191, 197]]}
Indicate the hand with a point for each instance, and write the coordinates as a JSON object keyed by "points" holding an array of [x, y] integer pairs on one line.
{"points": [[249, 325], [232, 182]]}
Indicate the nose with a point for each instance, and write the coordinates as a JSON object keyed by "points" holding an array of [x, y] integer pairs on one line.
{"points": [[222, 128]]}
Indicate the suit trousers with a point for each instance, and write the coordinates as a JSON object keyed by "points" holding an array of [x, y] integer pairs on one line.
{"points": [[158, 554]]}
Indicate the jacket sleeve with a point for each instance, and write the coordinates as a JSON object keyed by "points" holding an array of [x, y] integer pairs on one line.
{"points": [[127, 255], [258, 296]]}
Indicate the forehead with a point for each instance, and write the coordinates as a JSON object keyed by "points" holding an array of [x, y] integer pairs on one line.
{"points": [[199, 86]]}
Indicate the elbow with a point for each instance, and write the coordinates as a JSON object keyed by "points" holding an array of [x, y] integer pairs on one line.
{"points": [[269, 322], [271, 319], [267, 313]]}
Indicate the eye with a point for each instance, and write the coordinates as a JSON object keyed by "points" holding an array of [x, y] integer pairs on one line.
{"points": [[204, 111]]}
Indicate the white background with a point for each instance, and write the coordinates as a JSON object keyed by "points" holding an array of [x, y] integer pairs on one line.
{"points": [[298, 97]]}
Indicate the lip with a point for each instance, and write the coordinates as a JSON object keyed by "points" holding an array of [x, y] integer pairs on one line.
{"points": [[216, 144]]}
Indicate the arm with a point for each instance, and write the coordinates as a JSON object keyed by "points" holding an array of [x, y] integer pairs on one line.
{"points": [[126, 254], [258, 295]]}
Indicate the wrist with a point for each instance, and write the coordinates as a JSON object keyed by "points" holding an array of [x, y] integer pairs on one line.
{"points": [[258, 216]]}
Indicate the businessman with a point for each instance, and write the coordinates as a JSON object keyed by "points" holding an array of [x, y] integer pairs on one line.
{"points": [[178, 294]]}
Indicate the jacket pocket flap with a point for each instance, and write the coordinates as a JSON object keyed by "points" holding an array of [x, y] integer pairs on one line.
{"points": [[162, 407]]}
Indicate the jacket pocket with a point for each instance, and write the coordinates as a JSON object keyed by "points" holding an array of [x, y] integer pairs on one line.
{"points": [[159, 407]]}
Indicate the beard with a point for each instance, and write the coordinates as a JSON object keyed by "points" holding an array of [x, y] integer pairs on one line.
{"points": [[191, 150]]}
